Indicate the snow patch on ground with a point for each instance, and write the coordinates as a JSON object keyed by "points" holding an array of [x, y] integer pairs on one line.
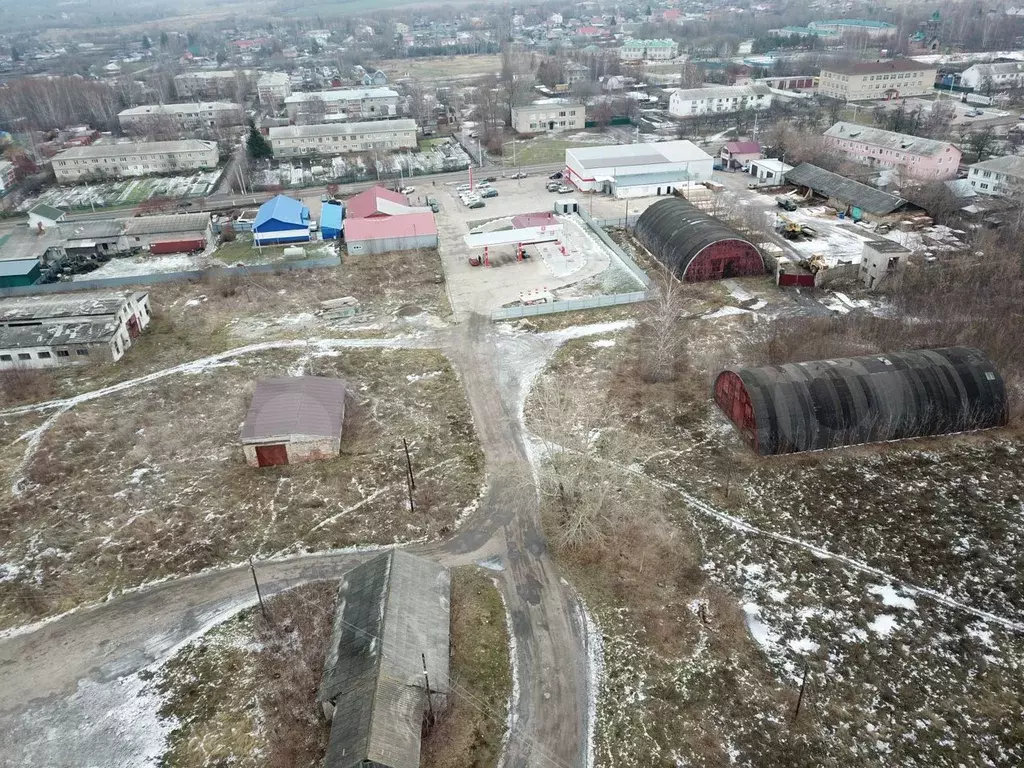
{"points": [[883, 624], [891, 598]]}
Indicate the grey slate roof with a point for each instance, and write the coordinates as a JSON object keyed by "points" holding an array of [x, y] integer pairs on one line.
{"points": [[879, 137], [56, 308], [46, 211], [392, 611], [61, 334], [295, 405], [853, 192], [173, 222], [1011, 165]]}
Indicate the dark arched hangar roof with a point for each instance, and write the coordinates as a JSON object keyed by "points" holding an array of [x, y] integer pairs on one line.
{"points": [[694, 245], [829, 403]]}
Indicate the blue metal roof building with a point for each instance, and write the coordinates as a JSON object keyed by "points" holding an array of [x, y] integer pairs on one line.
{"points": [[281, 220], [18, 272], [331, 215]]}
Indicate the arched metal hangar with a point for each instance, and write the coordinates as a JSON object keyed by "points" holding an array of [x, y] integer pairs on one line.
{"points": [[694, 245], [829, 403]]}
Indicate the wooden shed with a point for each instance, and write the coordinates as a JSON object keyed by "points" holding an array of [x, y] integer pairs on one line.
{"points": [[293, 419]]}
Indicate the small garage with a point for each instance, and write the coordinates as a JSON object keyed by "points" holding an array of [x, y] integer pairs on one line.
{"points": [[292, 419]]}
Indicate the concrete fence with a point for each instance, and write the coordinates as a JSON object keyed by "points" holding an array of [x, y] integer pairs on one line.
{"points": [[569, 305], [170, 277], [597, 226]]}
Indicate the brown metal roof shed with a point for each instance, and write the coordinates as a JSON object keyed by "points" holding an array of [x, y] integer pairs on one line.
{"points": [[295, 405]]}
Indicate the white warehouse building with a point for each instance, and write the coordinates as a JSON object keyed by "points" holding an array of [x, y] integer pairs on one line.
{"points": [[339, 138], [638, 170]]}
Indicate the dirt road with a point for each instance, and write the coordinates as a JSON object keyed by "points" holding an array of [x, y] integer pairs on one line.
{"points": [[51, 708]]}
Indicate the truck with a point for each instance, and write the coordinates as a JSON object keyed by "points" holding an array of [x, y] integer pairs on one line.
{"points": [[786, 203]]}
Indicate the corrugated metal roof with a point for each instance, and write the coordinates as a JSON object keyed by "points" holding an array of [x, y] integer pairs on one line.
{"points": [[408, 225], [828, 403], [136, 148], [60, 334], [46, 211], [45, 308], [175, 222], [295, 405], [17, 267], [743, 147], [393, 611], [849, 191], [675, 232], [878, 67], [331, 215], [282, 208], [341, 129]]}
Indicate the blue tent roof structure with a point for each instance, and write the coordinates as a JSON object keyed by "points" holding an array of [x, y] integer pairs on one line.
{"points": [[330, 220], [284, 210]]}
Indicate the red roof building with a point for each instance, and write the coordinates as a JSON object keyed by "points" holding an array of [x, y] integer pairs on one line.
{"points": [[384, 234], [376, 201]]}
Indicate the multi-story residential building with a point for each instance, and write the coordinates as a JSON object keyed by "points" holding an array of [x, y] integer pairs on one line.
{"points": [[895, 79], [49, 331], [106, 161], [212, 84], [822, 34], [648, 50], [155, 118], [999, 176], [273, 88], [912, 155], [720, 98], [339, 138], [872, 29], [549, 115], [345, 104], [576, 73], [7, 176], [993, 77]]}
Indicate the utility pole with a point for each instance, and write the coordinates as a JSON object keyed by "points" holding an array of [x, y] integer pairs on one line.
{"points": [[426, 679], [259, 596], [408, 464]]}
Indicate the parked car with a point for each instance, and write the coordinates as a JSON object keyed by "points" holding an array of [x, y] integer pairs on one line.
{"points": [[491, 179], [975, 113], [325, 198], [553, 186], [463, 188], [407, 190], [476, 204], [489, 193], [519, 175], [474, 261], [555, 175], [473, 134], [434, 206], [563, 188]]}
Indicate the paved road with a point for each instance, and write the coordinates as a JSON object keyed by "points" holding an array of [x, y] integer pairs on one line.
{"points": [[45, 721]]}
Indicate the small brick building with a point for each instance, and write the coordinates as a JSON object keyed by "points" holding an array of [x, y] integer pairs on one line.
{"points": [[293, 419]]}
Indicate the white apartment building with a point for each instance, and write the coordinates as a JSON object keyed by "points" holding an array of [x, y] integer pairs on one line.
{"points": [[273, 88], [999, 176], [343, 104], [7, 176], [211, 84], [180, 117], [549, 116], [648, 50], [719, 98], [993, 77], [111, 161], [339, 138], [895, 79]]}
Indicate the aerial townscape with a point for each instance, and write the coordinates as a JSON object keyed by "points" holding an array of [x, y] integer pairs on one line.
{"points": [[393, 384]]}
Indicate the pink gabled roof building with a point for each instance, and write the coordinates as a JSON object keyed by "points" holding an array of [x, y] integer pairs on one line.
{"points": [[916, 157]]}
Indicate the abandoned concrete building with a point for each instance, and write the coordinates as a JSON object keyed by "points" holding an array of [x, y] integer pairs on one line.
{"points": [[48, 331], [387, 661], [292, 419]]}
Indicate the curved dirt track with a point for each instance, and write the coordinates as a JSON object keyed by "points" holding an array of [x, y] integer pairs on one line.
{"points": [[44, 670]]}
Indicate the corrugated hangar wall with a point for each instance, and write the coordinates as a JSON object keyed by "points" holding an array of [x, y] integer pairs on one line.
{"points": [[694, 245], [829, 403]]}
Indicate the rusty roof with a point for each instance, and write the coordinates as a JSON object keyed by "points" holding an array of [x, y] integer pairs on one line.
{"points": [[295, 405]]}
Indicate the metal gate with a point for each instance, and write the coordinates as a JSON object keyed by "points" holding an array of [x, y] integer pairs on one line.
{"points": [[271, 455]]}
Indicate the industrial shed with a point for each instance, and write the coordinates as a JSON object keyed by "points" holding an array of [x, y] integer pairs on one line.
{"points": [[281, 220], [293, 419], [331, 214], [856, 200], [390, 233], [693, 244], [830, 403], [390, 639]]}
